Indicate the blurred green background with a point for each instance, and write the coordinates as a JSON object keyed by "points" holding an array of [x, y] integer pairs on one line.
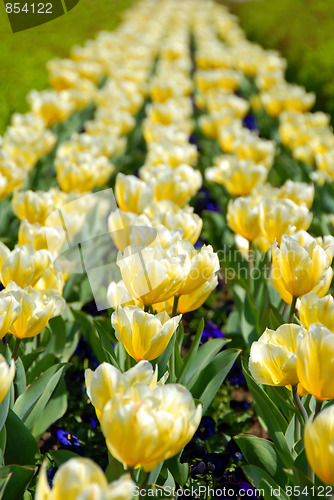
{"points": [[23, 55], [303, 31]]}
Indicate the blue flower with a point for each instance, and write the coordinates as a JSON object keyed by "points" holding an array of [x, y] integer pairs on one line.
{"points": [[250, 122], [211, 331], [206, 428], [67, 439]]}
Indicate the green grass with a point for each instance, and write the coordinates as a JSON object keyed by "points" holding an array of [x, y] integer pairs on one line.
{"points": [[24, 54], [303, 31]]}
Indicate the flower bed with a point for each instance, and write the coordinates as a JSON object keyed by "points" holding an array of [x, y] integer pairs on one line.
{"points": [[166, 261]]}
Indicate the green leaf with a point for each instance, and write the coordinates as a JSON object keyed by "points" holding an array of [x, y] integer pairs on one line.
{"points": [[273, 418], [46, 361], [90, 334], [21, 447], [256, 475], [190, 356], [32, 402], [20, 381], [53, 411], [28, 359], [61, 456], [179, 471], [106, 338], [115, 469], [213, 375], [202, 358], [261, 451], [163, 359], [4, 407], [14, 480]]}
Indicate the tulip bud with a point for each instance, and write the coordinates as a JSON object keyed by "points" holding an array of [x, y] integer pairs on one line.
{"points": [[23, 265], [144, 335], [6, 376], [38, 307], [318, 440], [132, 194], [273, 357], [82, 478], [315, 367], [300, 266], [106, 381], [243, 217]]}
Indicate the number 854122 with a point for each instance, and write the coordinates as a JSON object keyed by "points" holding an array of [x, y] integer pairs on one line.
{"points": [[34, 8]]}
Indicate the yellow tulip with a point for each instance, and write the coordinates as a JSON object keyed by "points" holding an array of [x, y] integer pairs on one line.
{"points": [[238, 176], [189, 302], [315, 362], [52, 280], [145, 427], [34, 206], [24, 265], [173, 217], [281, 217], [83, 173], [81, 478], [117, 295], [132, 194], [40, 237], [178, 185], [11, 176], [151, 274], [106, 381], [172, 154], [10, 310], [299, 192], [300, 266], [319, 444], [199, 266], [127, 228], [38, 307], [6, 376], [243, 217], [273, 357], [144, 335], [311, 309]]}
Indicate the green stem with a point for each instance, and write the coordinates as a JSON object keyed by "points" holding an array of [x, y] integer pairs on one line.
{"points": [[318, 406], [16, 348], [144, 482], [175, 303], [299, 403], [250, 265], [292, 309]]}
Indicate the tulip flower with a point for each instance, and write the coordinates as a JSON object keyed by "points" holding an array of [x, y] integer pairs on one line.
{"points": [[298, 192], [81, 478], [199, 266], [6, 376], [38, 307], [238, 176], [117, 295], [273, 357], [40, 237], [318, 440], [145, 427], [281, 217], [150, 274], [189, 302], [315, 367], [127, 228], [23, 265], [300, 266], [36, 206], [243, 217], [144, 335], [106, 381], [132, 194], [10, 310], [311, 309]]}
